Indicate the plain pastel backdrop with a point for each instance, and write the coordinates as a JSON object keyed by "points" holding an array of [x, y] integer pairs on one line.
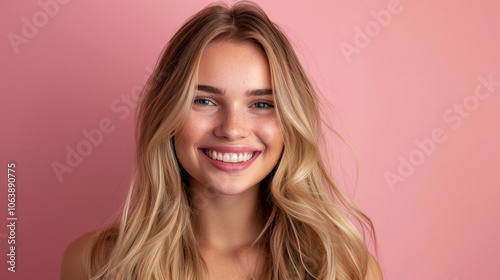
{"points": [[413, 86]]}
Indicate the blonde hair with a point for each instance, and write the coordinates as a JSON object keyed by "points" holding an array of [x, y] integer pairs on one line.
{"points": [[309, 232]]}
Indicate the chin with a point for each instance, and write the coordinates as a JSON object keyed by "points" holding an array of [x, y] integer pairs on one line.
{"points": [[233, 189], [227, 188]]}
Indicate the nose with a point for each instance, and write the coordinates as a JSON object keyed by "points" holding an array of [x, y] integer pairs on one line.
{"points": [[233, 125]]}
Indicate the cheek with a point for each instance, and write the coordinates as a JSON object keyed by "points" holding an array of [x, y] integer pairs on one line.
{"points": [[184, 138], [184, 141], [270, 133], [194, 130], [191, 129]]}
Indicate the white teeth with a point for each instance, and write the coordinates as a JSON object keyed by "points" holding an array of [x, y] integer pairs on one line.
{"points": [[234, 158], [228, 157]]}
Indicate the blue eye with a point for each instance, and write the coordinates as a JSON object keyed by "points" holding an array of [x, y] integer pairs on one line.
{"points": [[263, 105], [203, 102]]}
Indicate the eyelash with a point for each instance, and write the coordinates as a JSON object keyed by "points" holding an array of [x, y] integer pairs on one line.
{"points": [[198, 101], [266, 103], [201, 102]]}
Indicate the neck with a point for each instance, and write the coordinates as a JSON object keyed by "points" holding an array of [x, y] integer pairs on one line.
{"points": [[227, 222]]}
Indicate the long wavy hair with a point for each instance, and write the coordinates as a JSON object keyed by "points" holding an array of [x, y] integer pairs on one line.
{"points": [[312, 230]]}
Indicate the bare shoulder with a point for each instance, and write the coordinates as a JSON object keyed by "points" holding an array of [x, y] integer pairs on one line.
{"points": [[74, 258], [374, 272]]}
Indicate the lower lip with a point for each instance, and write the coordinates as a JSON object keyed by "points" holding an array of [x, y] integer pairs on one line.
{"points": [[230, 167]]}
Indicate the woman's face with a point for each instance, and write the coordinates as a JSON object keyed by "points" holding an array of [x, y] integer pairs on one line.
{"points": [[231, 139]]}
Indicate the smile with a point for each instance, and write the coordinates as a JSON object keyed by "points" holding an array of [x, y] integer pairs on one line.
{"points": [[228, 157]]}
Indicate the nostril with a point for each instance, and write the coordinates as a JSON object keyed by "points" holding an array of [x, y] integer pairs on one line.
{"points": [[231, 128]]}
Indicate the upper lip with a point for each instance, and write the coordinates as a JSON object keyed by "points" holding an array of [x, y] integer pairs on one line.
{"points": [[231, 149]]}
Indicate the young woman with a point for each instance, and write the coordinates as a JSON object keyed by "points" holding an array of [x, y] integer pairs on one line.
{"points": [[228, 181]]}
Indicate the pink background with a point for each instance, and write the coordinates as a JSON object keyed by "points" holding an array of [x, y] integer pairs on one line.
{"points": [[408, 77]]}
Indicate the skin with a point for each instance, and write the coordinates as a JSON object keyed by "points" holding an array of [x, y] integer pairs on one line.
{"points": [[228, 219], [235, 115]]}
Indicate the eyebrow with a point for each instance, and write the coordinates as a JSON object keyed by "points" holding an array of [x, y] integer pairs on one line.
{"points": [[218, 91]]}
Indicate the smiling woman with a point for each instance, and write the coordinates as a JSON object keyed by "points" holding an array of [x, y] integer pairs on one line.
{"points": [[228, 181], [231, 138]]}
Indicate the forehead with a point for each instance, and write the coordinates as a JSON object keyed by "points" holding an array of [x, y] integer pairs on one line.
{"points": [[234, 64]]}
